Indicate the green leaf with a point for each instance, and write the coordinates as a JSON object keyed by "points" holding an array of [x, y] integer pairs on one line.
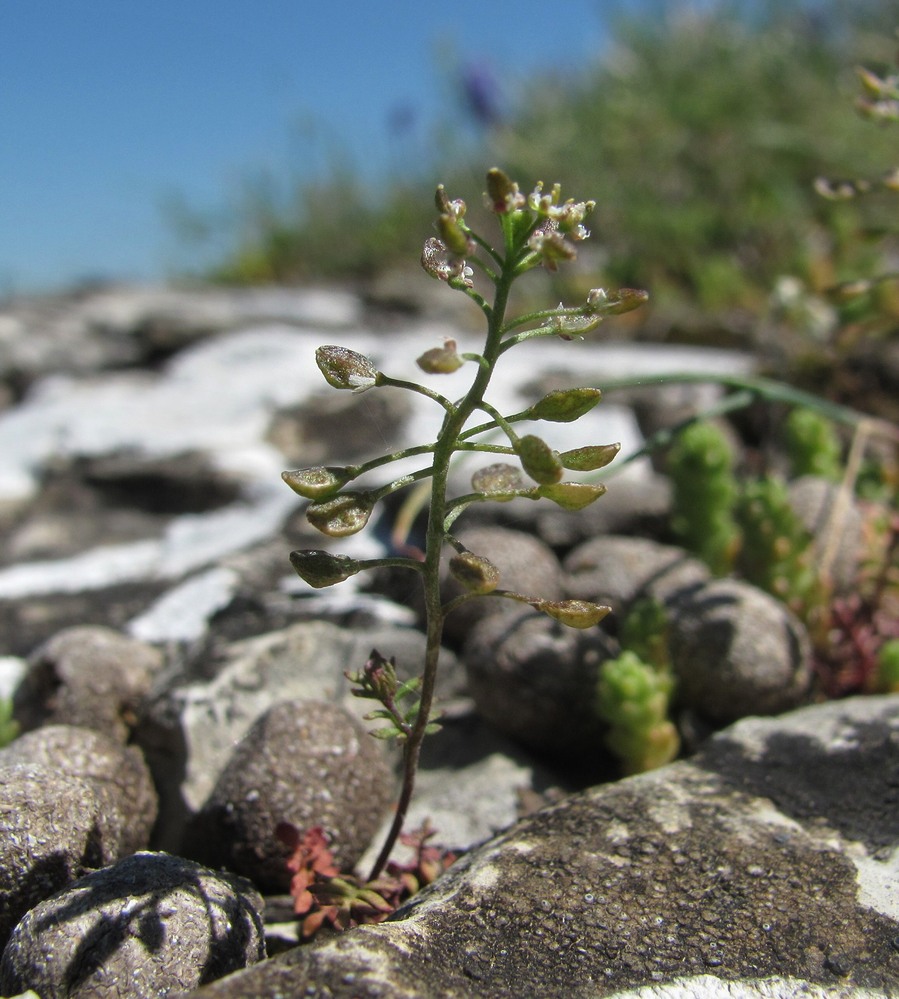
{"points": [[566, 405], [387, 733], [379, 713], [572, 495], [588, 459], [538, 459], [407, 687]]}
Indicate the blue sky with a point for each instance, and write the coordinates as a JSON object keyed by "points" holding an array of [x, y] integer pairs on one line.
{"points": [[111, 108]]}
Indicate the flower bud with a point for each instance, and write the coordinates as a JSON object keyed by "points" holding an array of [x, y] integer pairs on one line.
{"points": [[538, 459], [502, 193], [315, 483], [476, 573], [588, 459], [344, 514], [345, 369], [456, 208], [454, 236], [440, 360], [552, 247], [565, 405], [571, 495], [320, 569]]}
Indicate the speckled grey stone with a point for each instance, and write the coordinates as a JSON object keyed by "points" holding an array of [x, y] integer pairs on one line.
{"points": [[762, 868], [534, 679], [54, 827], [616, 570], [303, 762], [189, 729], [737, 651], [87, 675], [149, 926], [87, 754]]}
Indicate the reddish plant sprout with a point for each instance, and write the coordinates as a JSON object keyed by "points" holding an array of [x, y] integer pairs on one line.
{"points": [[428, 863], [862, 622], [322, 894], [310, 859]]}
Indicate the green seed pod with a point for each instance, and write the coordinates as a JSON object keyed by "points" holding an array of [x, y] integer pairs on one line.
{"points": [[342, 515], [571, 495], [565, 405], [500, 481], [588, 459], [440, 360], [316, 483], [476, 573], [538, 459], [616, 304], [573, 613], [346, 369], [321, 569]]}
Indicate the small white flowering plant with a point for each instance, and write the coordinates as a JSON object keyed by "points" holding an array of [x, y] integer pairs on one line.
{"points": [[538, 230]]}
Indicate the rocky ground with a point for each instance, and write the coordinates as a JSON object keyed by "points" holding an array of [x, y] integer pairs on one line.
{"points": [[183, 692]]}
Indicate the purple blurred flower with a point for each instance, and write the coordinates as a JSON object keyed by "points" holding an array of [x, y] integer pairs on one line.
{"points": [[481, 94]]}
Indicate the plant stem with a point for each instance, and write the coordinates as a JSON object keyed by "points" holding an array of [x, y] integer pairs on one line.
{"points": [[444, 448]]}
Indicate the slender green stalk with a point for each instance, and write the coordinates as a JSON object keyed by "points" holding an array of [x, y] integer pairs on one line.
{"points": [[539, 229]]}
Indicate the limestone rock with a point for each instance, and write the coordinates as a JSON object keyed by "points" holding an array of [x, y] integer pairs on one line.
{"points": [[534, 680], [90, 676], [89, 755], [736, 651], [763, 867], [617, 570], [148, 926], [54, 827], [190, 726], [306, 763]]}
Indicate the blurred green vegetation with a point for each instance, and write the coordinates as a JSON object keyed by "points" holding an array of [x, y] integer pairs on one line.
{"points": [[700, 135]]}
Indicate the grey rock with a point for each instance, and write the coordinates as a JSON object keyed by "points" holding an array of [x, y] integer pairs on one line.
{"points": [[764, 867], [835, 522], [737, 651], [121, 326], [190, 724], [92, 756], [534, 679], [337, 428], [472, 782], [27, 622], [148, 926], [305, 763], [54, 827], [90, 676], [634, 504], [617, 571]]}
